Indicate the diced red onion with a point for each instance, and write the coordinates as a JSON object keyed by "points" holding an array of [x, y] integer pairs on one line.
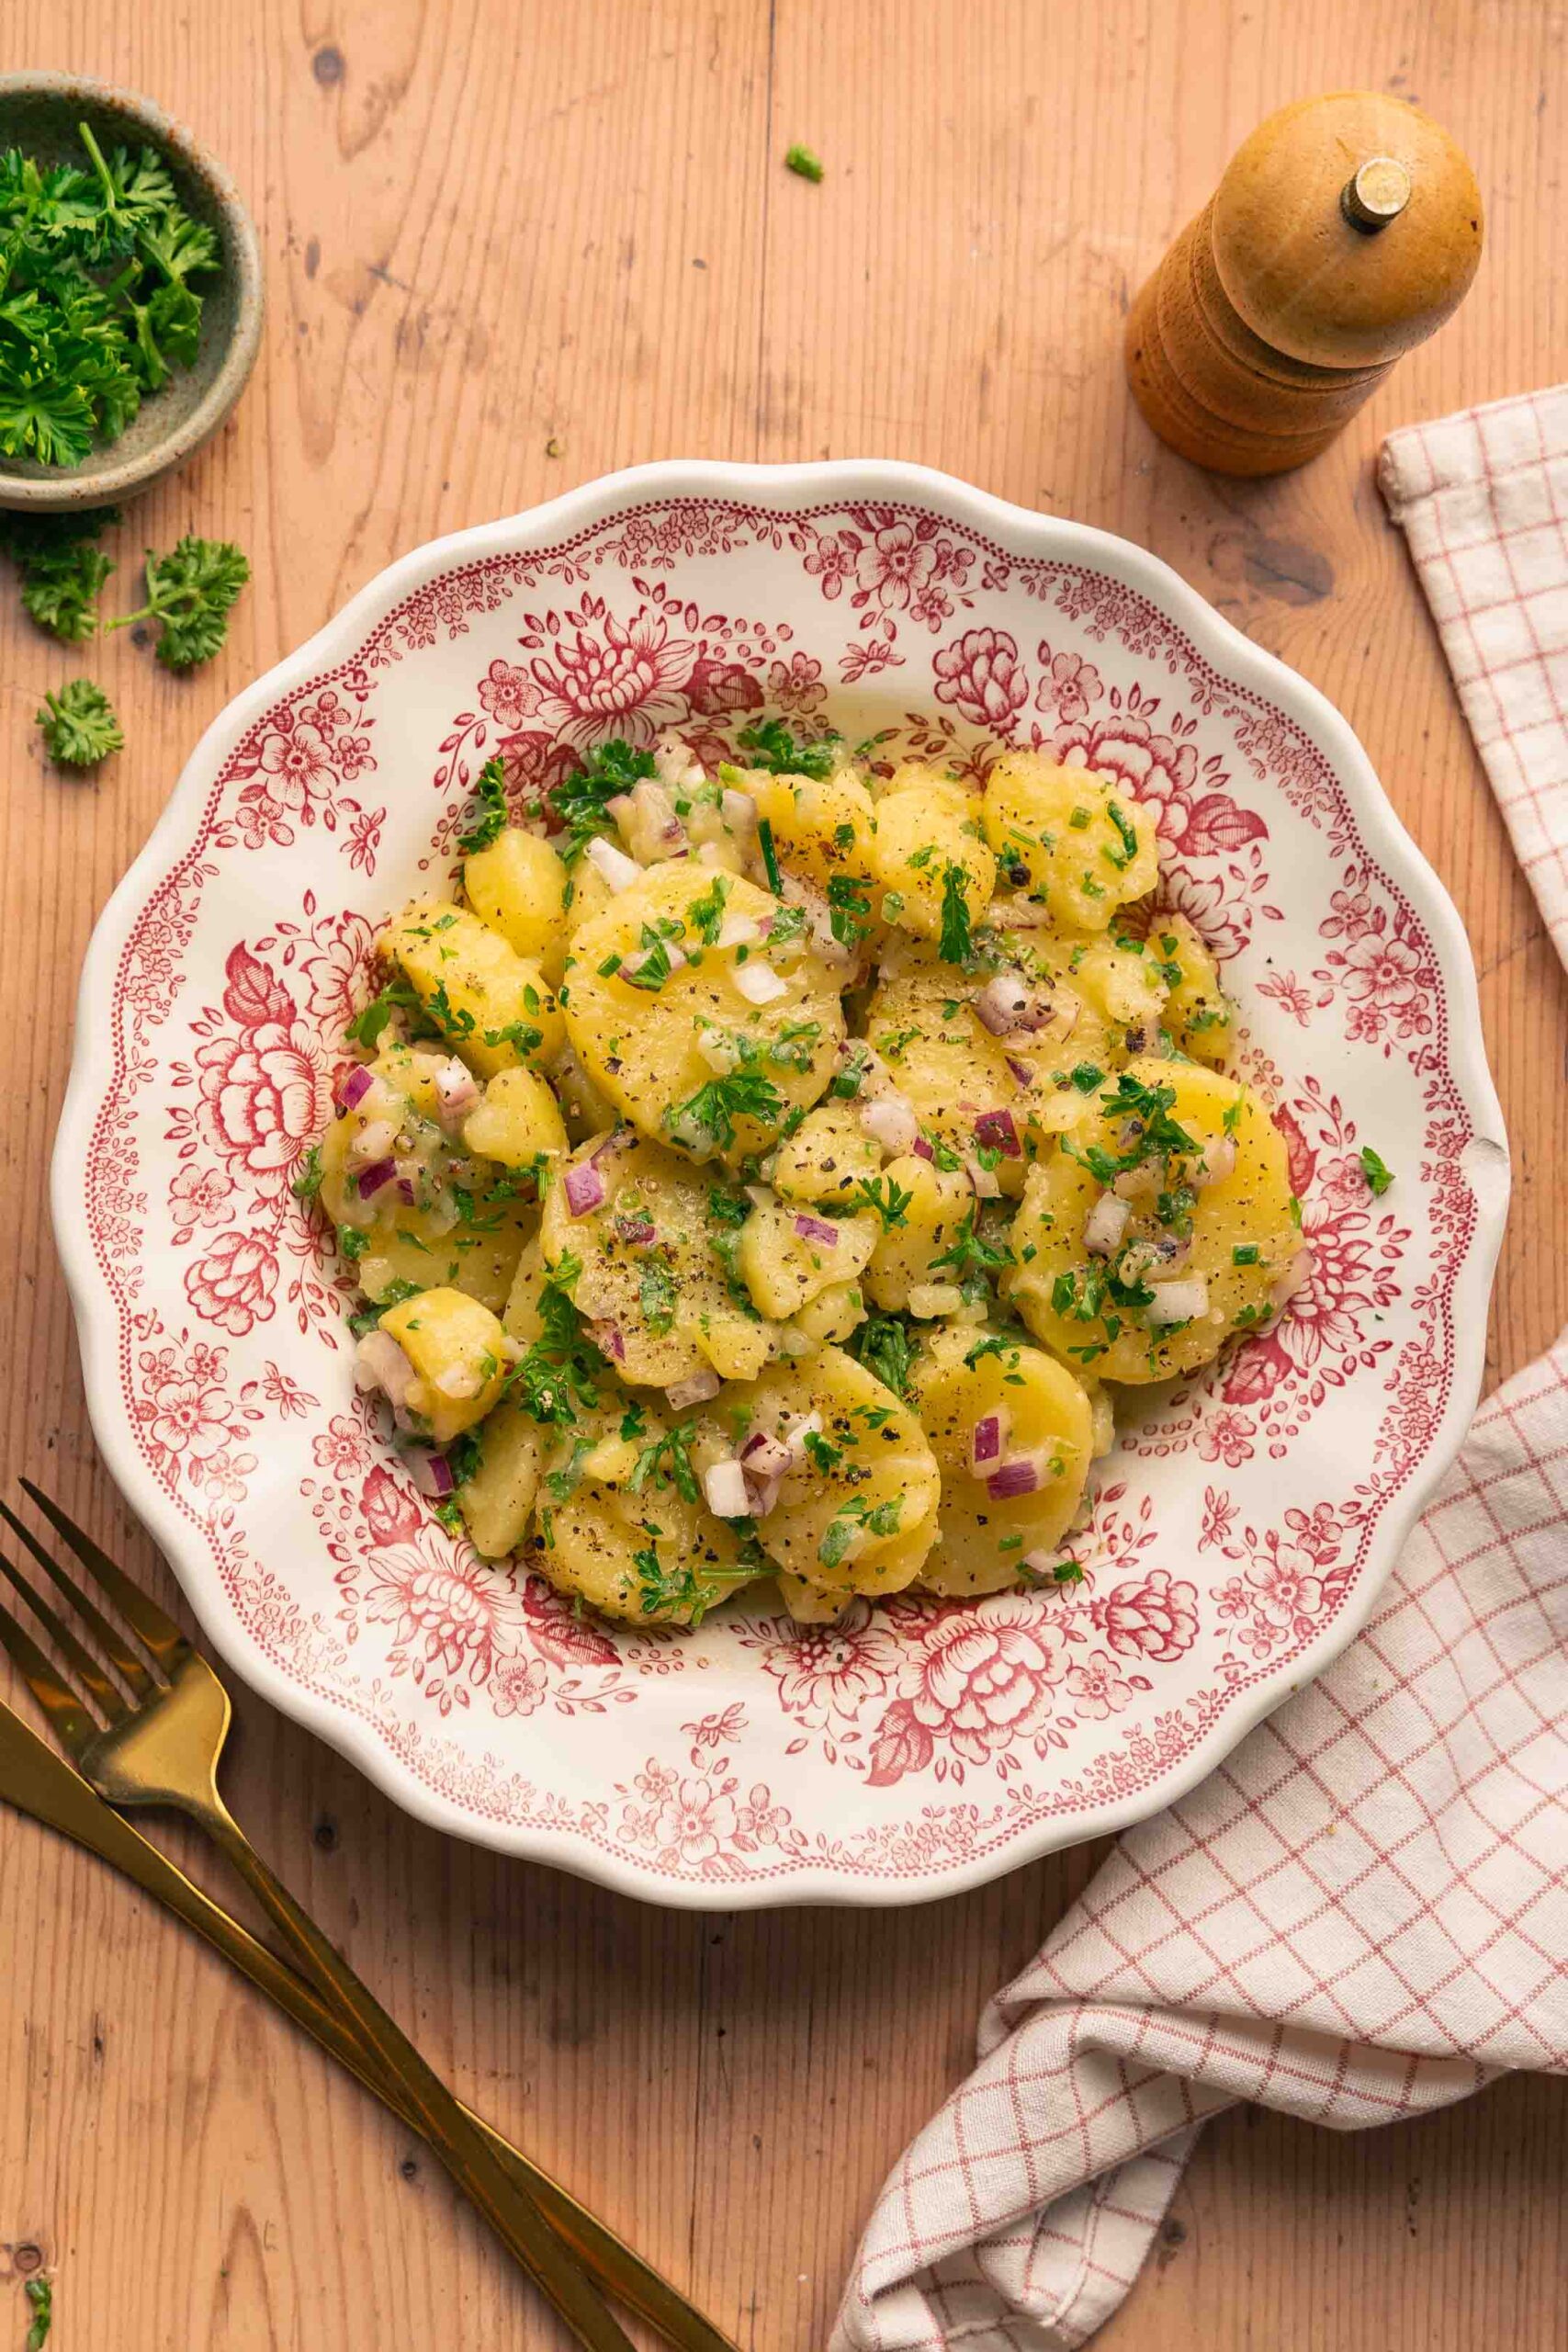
{"points": [[696, 1389], [738, 810], [637, 1231], [431, 1473], [584, 1187], [1020, 1476], [760, 984], [725, 1489], [613, 866], [456, 1089], [987, 1442], [922, 1150], [1181, 1302], [1021, 1073], [889, 1120], [1105, 1225], [354, 1085], [373, 1178], [606, 1338], [379, 1362], [765, 1456], [816, 1228], [995, 1129], [653, 802], [1296, 1275], [1217, 1163]]}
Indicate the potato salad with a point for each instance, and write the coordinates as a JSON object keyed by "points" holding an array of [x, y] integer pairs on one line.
{"points": [[774, 1172]]}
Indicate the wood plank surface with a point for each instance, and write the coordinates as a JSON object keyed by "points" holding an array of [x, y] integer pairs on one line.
{"points": [[494, 229]]}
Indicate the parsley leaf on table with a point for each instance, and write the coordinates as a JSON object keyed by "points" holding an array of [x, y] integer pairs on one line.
{"points": [[63, 573], [189, 591], [803, 162], [79, 725]]}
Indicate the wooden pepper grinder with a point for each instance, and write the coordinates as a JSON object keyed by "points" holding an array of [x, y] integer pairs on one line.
{"points": [[1344, 231]]}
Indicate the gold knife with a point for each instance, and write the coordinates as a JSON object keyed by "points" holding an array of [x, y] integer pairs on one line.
{"points": [[38, 1782]]}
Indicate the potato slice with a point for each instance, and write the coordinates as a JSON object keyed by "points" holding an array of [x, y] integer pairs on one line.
{"points": [[493, 1006], [1197, 1013], [788, 1256], [625, 1538], [460, 1355], [1069, 838], [1216, 1247], [962, 1379], [653, 1264], [860, 1513], [682, 1051], [517, 886], [496, 1497], [930, 849]]}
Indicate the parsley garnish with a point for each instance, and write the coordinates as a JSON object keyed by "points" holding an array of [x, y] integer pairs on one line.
{"points": [[770, 856], [773, 747], [667, 1462], [307, 1181], [78, 724], [707, 914], [876, 1518], [189, 591], [715, 1108], [1378, 1175], [63, 573], [490, 791], [882, 1345], [957, 944], [561, 1366], [581, 801], [888, 1199], [657, 1295], [849, 909], [40, 2297], [805, 166], [365, 1319], [972, 1253]]}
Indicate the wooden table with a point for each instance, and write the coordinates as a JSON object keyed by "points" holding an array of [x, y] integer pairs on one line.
{"points": [[509, 246]]}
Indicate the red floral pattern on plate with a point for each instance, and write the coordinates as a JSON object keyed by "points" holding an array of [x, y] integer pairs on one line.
{"points": [[914, 1744]]}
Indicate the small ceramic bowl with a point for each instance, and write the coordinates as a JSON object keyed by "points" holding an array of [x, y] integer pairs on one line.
{"points": [[39, 113]]}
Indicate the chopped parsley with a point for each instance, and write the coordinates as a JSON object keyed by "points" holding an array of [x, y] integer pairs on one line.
{"points": [[657, 1295], [561, 1370], [489, 818], [887, 1198], [307, 1181], [805, 166], [882, 1344], [772, 745], [582, 801], [714, 1109], [707, 914], [850, 1519], [1378, 1175], [971, 1253], [667, 1461], [849, 908], [41, 2301], [957, 944], [366, 1318]]}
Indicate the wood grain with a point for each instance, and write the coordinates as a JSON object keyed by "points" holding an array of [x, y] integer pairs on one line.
{"points": [[492, 225]]}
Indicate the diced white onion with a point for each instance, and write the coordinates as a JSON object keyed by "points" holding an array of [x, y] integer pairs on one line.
{"points": [[631, 965], [1181, 1302], [374, 1141], [459, 1381], [725, 1489], [928, 1300], [718, 1049], [1105, 1225], [1217, 1163], [760, 984], [738, 812], [889, 1120], [457, 1088], [794, 1437], [379, 1362], [983, 1181], [696, 1389], [613, 868], [739, 931]]}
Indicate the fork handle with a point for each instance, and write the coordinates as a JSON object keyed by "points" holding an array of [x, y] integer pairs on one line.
{"points": [[450, 2131]]}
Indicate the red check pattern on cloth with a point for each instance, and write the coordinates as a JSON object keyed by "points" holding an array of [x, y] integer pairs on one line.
{"points": [[1482, 499], [1363, 1914]]}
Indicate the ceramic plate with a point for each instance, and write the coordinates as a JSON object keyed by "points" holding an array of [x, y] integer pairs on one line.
{"points": [[1242, 1529]]}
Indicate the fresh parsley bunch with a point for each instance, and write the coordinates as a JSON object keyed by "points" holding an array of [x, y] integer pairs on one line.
{"points": [[96, 307], [63, 572]]}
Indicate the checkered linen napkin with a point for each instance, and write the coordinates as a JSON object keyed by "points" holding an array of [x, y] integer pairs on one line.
{"points": [[1363, 1914]]}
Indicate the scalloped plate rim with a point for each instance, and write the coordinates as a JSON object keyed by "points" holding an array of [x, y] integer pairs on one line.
{"points": [[1043, 534]]}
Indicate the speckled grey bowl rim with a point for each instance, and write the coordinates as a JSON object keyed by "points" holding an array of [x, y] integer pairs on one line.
{"points": [[103, 479]]}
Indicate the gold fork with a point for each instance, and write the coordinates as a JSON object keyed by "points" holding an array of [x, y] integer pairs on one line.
{"points": [[35, 1779], [161, 1746]]}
